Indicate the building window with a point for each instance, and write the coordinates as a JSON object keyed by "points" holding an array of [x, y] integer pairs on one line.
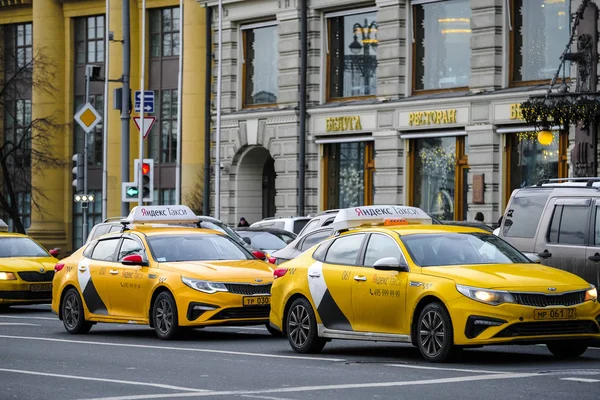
{"points": [[540, 32], [352, 54], [19, 46], [163, 136], [349, 174], [89, 40], [439, 168], [164, 197], [94, 216], [94, 139], [260, 65], [442, 47], [164, 32]]}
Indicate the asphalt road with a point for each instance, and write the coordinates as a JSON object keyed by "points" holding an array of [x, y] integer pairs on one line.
{"points": [[40, 360]]}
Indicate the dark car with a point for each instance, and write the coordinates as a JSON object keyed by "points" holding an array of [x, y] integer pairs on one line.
{"points": [[300, 245], [267, 240]]}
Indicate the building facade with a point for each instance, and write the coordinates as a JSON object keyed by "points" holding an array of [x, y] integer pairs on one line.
{"points": [[68, 35], [409, 102]]}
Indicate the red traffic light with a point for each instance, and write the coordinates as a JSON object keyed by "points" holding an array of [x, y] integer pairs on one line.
{"points": [[145, 168]]}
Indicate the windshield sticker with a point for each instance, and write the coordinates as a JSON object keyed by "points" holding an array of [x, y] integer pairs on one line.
{"points": [[161, 259]]}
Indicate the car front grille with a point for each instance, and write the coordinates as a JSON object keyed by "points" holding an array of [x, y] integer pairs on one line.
{"points": [[34, 276], [242, 313], [549, 328], [546, 300], [247, 289]]}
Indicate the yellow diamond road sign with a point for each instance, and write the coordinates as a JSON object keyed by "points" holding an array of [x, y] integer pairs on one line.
{"points": [[87, 117]]}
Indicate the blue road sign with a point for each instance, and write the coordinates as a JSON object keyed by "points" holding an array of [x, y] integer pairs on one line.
{"points": [[148, 101]]}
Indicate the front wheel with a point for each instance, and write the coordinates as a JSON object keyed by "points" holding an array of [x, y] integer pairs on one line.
{"points": [[164, 316], [435, 338], [302, 328], [72, 313], [568, 349]]}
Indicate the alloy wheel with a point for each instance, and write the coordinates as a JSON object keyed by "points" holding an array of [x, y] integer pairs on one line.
{"points": [[432, 333], [299, 326], [164, 316], [71, 311]]}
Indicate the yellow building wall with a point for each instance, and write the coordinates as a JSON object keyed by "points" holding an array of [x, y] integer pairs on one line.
{"points": [[53, 30]]}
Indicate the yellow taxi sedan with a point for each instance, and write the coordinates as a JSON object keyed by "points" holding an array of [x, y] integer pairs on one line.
{"points": [[26, 271], [390, 275], [161, 272]]}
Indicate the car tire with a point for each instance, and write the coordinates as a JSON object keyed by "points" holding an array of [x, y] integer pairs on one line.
{"points": [[4, 308], [435, 338], [165, 317], [72, 313], [568, 349], [302, 328], [274, 332]]}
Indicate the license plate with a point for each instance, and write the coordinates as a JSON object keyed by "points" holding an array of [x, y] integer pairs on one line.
{"points": [[256, 300], [555, 313], [41, 287]]}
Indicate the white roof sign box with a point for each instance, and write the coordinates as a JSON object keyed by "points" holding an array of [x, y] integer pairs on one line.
{"points": [[376, 215], [161, 215]]}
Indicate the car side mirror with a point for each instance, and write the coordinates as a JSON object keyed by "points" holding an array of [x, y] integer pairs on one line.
{"points": [[259, 254], [134, 259], [54, 252], [390, 264], [533, 258], [247, 240]]}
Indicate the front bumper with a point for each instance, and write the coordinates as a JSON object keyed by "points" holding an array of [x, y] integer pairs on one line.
{"points": [[481, 324], [19, 292]]}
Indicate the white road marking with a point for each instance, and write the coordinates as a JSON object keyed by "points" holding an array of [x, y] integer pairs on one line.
{"points": [[19, 317], [475, 371], [86, 378], [263, 397], [326, 387], [18, 324], [587, 380], [153, 347], [238, 328]]}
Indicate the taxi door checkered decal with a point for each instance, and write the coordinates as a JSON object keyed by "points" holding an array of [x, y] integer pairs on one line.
{"points": [[328, 310], [90, 294]]}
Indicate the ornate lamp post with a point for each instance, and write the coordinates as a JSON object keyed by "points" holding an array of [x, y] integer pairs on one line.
{"points": [[366, 63]]}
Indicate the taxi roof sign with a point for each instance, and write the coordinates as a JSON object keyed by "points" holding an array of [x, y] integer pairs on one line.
{"points": [[161, 215], [379, 215]]}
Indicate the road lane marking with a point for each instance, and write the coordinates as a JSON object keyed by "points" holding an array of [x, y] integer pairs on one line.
{"points": [[87, 378], [17, 324], [242, 328], [326, 387], [153, 347], [587, 380], [20, 317], [448, 369], [263, 397]]}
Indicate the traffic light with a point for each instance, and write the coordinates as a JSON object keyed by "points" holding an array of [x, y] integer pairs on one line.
{"points": [[78, 172], [148, 179]]}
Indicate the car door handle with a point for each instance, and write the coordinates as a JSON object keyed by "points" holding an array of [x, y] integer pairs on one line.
{"points": [[314, 275], [82, 269], [545, 254], [360, 278], [594, 258], [113, 272]]}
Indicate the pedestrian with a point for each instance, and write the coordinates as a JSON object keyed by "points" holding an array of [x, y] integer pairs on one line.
{"points": [[479, 217], [243, 223]]}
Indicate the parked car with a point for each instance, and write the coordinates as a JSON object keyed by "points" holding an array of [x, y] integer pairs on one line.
{"points": [[470, 224], [291, 224], [300, 245], [266, 240], [558, 221], [324, 218]]}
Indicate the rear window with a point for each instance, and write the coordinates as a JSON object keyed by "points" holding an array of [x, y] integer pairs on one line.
{"points": [[264, 240], [299, 224], [524, 214]]}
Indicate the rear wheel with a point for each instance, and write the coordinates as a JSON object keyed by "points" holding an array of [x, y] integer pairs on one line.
{"points": [[302, 328], [72, 313], [568, 348], [164, 316], [435, 338]]}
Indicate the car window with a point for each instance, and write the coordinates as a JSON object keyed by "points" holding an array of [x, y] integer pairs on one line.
{"points": [[21, 247], [130, 247], [328, 221], [264, 240], [524, 214], [299, 224], [116, 228], [105, 250], [381, 246], [344, 250], [202, 247], [597, 229], [313, 238], [99, 230], [569, 225], [312, 225]]}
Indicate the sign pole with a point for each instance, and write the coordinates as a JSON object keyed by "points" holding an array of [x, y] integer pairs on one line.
{"points": [[84, 205], [142, 106], [105, 117], [218, 131]]}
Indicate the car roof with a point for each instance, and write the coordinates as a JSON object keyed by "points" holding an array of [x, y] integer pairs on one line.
{"points": [[264, 229], [12, 234], [418, 229]]}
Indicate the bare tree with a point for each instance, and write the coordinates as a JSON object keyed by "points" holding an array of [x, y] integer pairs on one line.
{"points": [[195, 199], [26, 148]]}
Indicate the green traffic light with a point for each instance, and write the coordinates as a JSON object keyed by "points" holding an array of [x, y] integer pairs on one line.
{"points": [[132, 192]]}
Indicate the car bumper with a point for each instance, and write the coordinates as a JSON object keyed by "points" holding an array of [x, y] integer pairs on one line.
{"points": [[21, 292], [481, 324]]}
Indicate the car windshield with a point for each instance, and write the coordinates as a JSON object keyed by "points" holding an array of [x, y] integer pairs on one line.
{"points": [[264, 240], [179, 248], [433, 250], [222, 228], [21, 247]]}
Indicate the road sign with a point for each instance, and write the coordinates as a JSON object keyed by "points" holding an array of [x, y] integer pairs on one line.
{"points": [[148, 101], [87, 117], [148, 124]]}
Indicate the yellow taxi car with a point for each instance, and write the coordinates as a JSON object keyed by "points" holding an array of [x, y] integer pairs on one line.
{"points": [[158, 273], [26, 271], [441, 288]]}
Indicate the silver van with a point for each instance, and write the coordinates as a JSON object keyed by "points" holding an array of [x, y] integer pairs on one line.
{"points": [[557, 220]]}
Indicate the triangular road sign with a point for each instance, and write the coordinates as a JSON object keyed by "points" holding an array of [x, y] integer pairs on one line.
{"points": [[148, 124]]}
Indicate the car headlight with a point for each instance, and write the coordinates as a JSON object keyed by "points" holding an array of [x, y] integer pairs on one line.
{"points": [[7, 276], [492, 297], [591, 294], [204, 286]]}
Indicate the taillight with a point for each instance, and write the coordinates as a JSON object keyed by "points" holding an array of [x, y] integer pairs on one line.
{"points": [[58, 267], [272, 260], [279, 272]]}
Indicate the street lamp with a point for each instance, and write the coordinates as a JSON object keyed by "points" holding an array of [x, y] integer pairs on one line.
{"points": [[367, 65]]}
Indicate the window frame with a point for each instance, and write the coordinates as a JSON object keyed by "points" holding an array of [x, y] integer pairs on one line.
{"points": [[161, 33], [358, 254], [118, 239], [559, 208], [300, 244], [136, 240], [87, 40], [366, 245]]}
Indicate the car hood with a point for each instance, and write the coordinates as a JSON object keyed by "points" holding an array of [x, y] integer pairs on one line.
{"points": [[12, 264], [229, 271], [514, 277]]}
